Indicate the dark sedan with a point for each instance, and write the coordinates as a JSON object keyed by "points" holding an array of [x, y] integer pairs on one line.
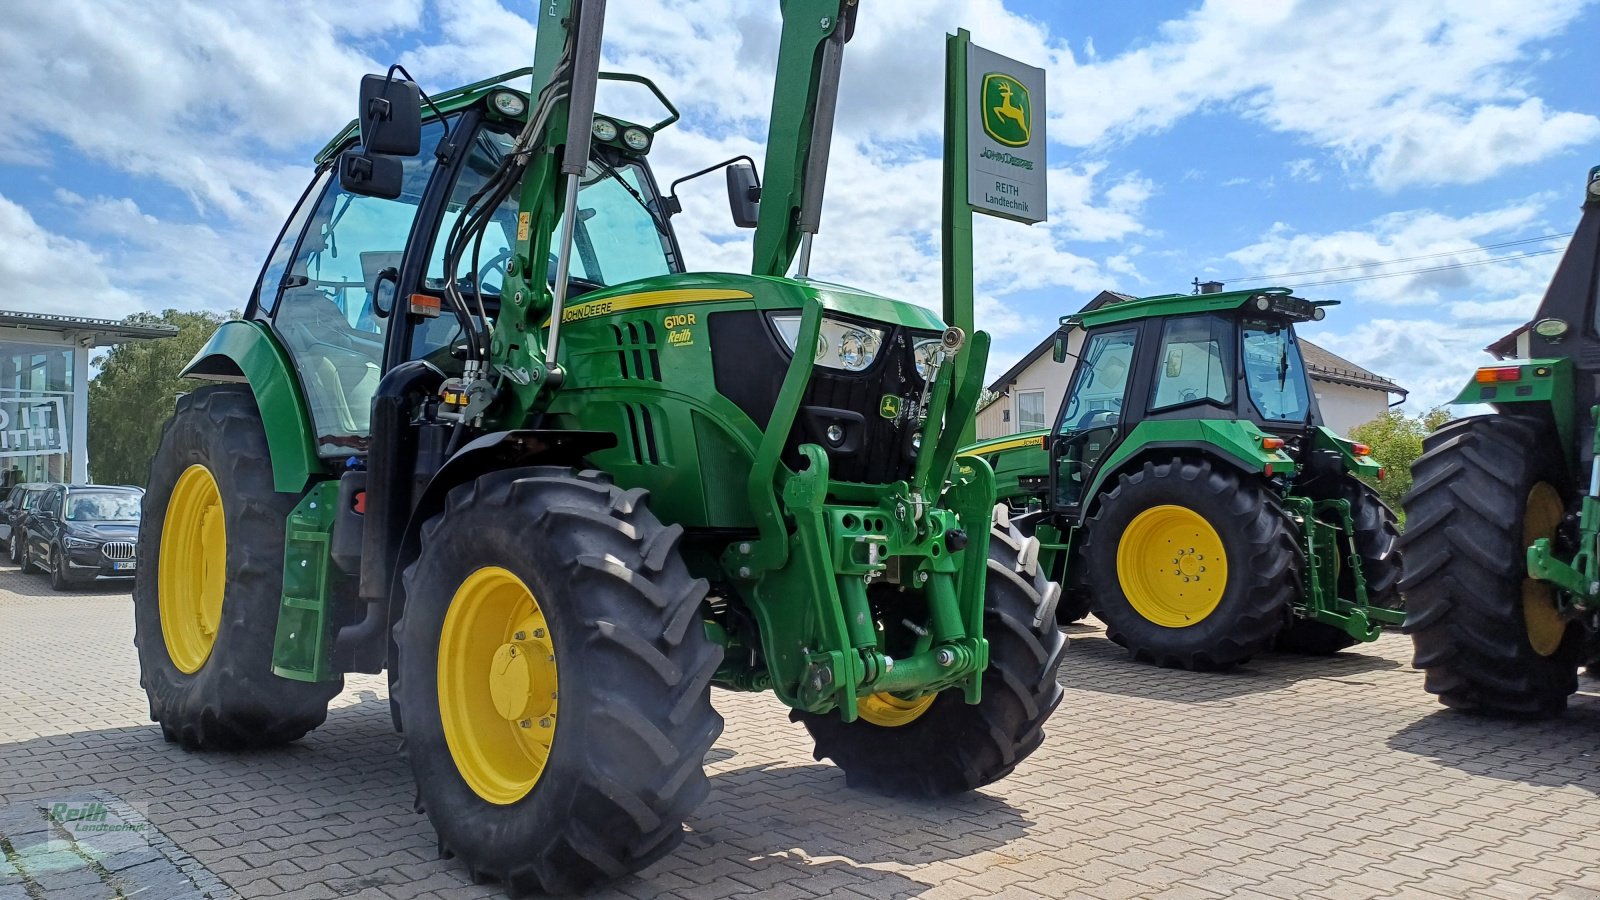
{"points": [[19, 501], [79, 532]]}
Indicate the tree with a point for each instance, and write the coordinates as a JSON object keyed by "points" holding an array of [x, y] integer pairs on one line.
{"points": [[1396, 442], [132, 396]]}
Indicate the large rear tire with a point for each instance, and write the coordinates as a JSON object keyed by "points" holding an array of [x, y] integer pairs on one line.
{"points": [[555, 615], [1154, 548], [1378, 543], [940, 745], [1487, 636], [206, 598]]}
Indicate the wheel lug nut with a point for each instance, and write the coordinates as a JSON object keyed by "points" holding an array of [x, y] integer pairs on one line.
{"points": [[520, 636], [544, 722], [538, 632], [526, 723]]}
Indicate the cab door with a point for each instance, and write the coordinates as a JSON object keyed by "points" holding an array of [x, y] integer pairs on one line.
{"points": [[1090, 421]]}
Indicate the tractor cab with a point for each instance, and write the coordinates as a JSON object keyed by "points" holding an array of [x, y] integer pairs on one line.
{"points": [[361, 276], [1165, 363]]}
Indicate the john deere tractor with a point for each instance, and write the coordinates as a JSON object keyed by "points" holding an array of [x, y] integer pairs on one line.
{"points": [[1502, 581], [1189, 494], [480, 428]]}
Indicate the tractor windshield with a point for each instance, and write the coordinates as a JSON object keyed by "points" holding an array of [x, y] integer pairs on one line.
{"points": [[1274, 371], [618, 238]]}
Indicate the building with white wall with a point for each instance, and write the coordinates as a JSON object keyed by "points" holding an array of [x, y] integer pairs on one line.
{"points": [[1028, 395], [44, 391]]}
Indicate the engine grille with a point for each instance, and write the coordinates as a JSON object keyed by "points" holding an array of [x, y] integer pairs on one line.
{"points": [[118, 550]]}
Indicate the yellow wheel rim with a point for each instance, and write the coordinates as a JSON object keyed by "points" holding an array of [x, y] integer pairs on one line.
{"points": [[1172, 566], [889, 711], [1546, 628], [192, 573], [497, 685]]}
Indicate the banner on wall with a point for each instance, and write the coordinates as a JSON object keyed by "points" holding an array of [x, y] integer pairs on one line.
{"points": [[32, 426]]}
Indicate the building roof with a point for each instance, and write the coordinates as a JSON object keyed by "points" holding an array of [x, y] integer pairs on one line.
{"points": [[101, 332], [1321, 364], [1325, 365], [1506, 346]]}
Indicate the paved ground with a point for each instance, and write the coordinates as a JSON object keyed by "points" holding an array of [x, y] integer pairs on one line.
{"points": [[1292, 777]]}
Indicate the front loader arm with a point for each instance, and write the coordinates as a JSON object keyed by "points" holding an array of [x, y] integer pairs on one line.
{"points": [[801, 127]]}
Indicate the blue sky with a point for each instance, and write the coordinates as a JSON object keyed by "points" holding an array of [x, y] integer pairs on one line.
{"points": [[148, 152]]}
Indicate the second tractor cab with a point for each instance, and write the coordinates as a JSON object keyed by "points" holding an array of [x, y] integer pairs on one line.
{"points": [[1189, 494]]}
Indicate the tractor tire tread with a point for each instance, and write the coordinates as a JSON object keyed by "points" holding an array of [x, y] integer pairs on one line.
{"points": [[646, 718], [1465, 562], [955, 747], [235, 701]]}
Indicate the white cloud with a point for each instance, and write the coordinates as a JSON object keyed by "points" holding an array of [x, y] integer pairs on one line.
{"points": [[1425, 92], [46, 272], [1446, 240], [208, 98], [1430, 328], [1432, 359]]}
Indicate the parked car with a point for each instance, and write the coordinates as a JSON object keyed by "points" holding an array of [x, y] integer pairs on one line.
{"points": [[19, 501], [79, 532]]}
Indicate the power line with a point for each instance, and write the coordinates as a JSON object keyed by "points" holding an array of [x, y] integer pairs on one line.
{"points": [[1403, 259], [1426, 269]]}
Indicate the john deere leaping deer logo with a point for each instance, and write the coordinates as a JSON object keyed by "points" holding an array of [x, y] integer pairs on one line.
{"points": [[1007, 114]]}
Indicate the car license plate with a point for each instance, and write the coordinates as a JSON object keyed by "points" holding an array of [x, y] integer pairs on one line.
{"points": [[123, 566]]}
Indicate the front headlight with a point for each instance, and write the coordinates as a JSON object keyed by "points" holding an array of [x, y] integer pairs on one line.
{"points": [[840, 345], [74, 543]]}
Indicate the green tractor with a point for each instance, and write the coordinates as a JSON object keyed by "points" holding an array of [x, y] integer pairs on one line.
{"points": [[1502, 580], [1189, 494], [479, 428]]}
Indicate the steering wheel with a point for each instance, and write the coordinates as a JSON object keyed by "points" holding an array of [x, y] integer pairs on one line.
{"points": [[1190, 396], [497, 264]]}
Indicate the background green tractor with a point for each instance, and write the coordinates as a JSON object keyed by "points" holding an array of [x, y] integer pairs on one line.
{"points": [[480, 428], [1502, 581], [1189, 494]]}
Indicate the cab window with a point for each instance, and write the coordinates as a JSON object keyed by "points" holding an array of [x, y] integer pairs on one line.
{"points": [[1273, 371], [619, 237], [326, 313], [1102, 379], [1194, 363]]}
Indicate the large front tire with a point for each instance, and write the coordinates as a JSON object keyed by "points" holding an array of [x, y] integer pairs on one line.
{"points": [[206, 598], [1488, 637], [1194, 567], [556, 618], [941, 744]]}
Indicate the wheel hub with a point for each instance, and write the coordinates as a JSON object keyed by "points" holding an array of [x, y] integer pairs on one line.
{"points": [[1546, 627], [192, 572], [497, 685], [1172, 566], [521, 677]]}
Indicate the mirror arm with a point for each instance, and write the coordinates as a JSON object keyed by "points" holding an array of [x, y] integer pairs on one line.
{"points": [[673, 205]]}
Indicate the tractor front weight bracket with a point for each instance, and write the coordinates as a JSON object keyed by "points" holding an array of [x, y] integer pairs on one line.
{"points": [[821, 638]]}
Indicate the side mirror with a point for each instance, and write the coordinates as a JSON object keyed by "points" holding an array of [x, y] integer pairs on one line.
{"points": [[383, 288], [744, 195], [390, 116], [371, 176], [1059, 352]]}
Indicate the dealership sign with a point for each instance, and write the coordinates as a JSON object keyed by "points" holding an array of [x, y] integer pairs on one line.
{"points": [[34, 426], [1005, 137]]}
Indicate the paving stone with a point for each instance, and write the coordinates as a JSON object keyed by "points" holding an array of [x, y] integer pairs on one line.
{"points": [[1317, 777]]}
